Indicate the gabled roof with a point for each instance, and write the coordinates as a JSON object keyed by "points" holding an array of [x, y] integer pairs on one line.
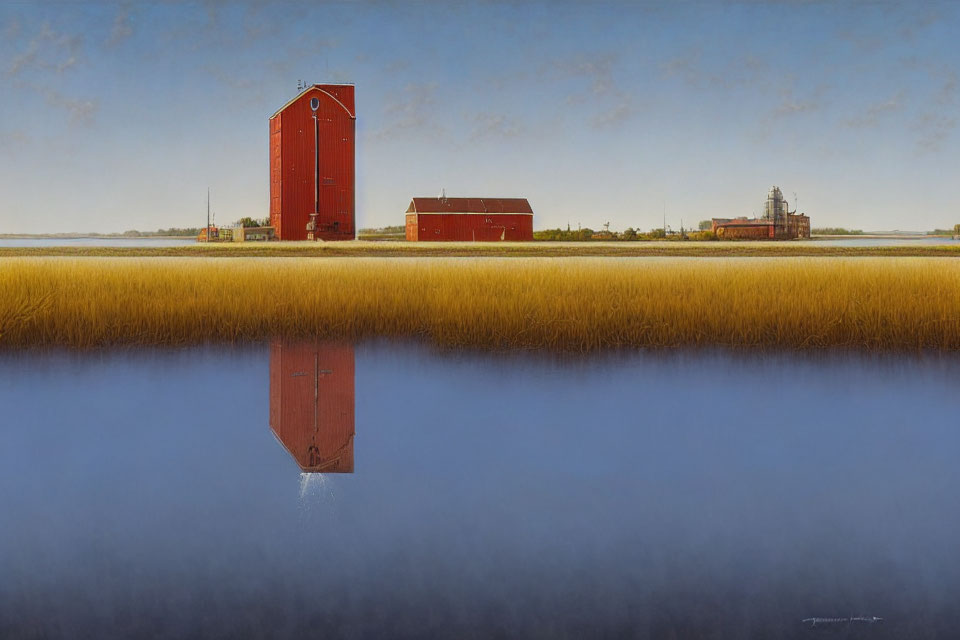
{"points": [[323, 88], [470, 205], [743, 222]]}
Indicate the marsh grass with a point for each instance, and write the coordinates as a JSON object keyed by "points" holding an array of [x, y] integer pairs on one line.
{"points": [[570, 304]]}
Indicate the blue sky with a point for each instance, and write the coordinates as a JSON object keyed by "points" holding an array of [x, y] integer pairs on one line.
{"points": [[118, 116]]}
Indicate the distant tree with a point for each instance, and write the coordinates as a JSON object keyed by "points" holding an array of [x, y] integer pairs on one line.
{"points": [[247, 221], [131, 234], [836, 231], [658, 233], [629, 234], [706, 225], [956, 229], [174, 231]]}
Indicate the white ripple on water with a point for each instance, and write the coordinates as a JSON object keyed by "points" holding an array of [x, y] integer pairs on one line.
{"points": [[314, 486]]}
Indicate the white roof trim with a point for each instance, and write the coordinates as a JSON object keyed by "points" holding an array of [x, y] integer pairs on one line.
{"points": [[468, 213], [311, 88]]}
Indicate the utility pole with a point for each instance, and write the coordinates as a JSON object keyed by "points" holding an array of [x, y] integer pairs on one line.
{"points": [[208, 214]]}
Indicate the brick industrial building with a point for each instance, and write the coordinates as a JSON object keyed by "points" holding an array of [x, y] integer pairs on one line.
{"points": [[469, 219], [312, 165], [312, 404], [777, 222]]}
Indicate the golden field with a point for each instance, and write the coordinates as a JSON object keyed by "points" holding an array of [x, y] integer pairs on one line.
{"points": [[574, 304]]}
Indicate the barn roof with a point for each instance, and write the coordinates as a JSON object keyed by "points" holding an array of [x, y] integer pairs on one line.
{"points": [[470, 205], [743, 222], [323, 88]]}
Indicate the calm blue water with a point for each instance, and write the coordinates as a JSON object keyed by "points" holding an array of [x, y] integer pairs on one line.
{"points": [[919, 241], [96, 242], [664, 495]]}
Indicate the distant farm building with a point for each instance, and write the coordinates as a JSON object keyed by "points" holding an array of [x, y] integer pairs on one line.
{"points": [[470, 219], [236, 234], [252, 234], [312, 165], [312, 404], [777, 222]]}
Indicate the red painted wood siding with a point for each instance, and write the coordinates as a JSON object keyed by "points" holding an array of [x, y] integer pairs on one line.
{"points": [[472, 227], [292, 146], [312, 404]]}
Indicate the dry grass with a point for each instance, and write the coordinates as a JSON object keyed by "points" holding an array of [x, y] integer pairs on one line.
{"points": [[572, 304]]}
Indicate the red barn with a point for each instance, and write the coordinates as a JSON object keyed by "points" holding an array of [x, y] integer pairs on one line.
{"points": [[312, 404], [743, 229], [312, 148], [470, 219]]}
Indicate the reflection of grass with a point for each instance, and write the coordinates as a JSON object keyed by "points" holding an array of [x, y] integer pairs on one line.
{"points": [[489, 249], [560, 304]]}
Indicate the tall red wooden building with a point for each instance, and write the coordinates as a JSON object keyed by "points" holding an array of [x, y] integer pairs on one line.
{"points": [[312, 165], [312, 404], [469, 219]]}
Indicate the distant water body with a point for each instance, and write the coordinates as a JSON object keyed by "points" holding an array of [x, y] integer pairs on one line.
{"points": [[654, 495], [854, 241], [96, 242]]}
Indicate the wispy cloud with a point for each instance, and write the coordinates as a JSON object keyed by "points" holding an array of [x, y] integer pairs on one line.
{"points": [[692, 68], [927, 15], [903, 23], [947, 95], [410, 112], [597, 73], [242, 87], [620, 112], [41, 65], [791, 104], [11, 29], [13, 138], [49, 50], [396, 66], [935, 124], [596, 69], [872, 115], [79, 110], [494, 125], [933, 130], [122, 28]]}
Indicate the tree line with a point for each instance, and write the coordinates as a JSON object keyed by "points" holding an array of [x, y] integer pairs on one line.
{"points": [[629, 234]]}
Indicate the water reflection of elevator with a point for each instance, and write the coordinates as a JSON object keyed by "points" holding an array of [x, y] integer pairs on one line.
{"points": [[312, 404]]}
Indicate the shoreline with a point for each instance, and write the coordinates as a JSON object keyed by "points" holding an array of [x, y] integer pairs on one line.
{"points": [[360, 248]]}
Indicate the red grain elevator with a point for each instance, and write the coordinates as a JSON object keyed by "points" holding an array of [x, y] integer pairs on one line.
{"points": [[469, 220], [312, 165], [312, 404]]}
